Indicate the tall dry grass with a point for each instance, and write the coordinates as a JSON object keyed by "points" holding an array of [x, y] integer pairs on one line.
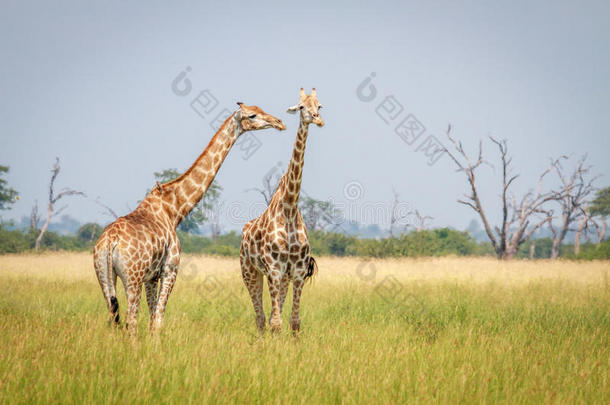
{"points": [[385, 331]]}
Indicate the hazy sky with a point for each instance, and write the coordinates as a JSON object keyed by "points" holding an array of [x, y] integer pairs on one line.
{"points": [[92, 85]]}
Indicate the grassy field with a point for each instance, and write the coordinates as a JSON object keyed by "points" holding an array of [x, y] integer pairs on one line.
{"points": [[441, 330]]}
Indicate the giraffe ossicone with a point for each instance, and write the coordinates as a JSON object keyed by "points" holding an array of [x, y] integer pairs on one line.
{"points": [[142, 248], [275, 245]]}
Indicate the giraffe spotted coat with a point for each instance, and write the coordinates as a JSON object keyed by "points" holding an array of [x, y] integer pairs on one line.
{"points": [[275, 245], [142, 248]]}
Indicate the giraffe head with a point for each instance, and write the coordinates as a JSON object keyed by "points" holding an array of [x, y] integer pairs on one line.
{"points": [[253, 118], [309, 107]]}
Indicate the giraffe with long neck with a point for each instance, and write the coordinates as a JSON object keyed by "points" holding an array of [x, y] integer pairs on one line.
{"points": [[143, 248], [275, 245]]}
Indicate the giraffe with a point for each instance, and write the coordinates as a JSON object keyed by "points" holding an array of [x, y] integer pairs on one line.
{"points": [[142, 247], [275, 245]]}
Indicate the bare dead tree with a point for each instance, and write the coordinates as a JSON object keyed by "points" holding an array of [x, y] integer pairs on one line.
{"points": [[319, 215], [520, 218], [93, 235], [420, 220], [213, 218], [53, 199], [576, 190], [396, 215], [215, 228], [582, 223], [34, 216], [585, 224], [532, 249], [600, 208], [271, 181], [269, 189], [601, 230]]}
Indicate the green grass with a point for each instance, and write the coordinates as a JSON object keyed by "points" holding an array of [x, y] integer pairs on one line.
{"points": [[435, 341]]}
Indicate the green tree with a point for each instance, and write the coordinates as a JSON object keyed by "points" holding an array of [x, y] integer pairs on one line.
{"points": [[201, 213], [317, 214], [7, 195], [600, 207], [601, 204], [89, 232]]}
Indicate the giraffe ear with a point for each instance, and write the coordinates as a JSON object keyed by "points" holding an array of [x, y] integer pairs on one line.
{"points": [[293, 109]]}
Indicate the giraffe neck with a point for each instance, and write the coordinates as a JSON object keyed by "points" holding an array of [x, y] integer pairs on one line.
{"points": [[294, 174], [181, 195]]}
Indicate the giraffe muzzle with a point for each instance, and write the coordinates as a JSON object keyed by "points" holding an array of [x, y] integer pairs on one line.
{"points": [[279, 125]]}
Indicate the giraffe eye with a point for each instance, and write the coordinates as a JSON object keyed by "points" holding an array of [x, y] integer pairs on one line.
{"points": [[319, 107], [300, 107], [252, 116]]}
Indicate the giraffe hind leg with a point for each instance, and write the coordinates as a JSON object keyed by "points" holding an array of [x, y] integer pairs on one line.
{"points": [[166, 284], [152, 295], [133, 293], [107, 283], [253, 279], [114, 310], [114, 303]]}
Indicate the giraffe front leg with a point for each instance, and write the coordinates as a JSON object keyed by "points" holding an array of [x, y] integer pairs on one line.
{"points": [[134, 293], [274, 280], [295, 319], [285, 282], [170, 271]]}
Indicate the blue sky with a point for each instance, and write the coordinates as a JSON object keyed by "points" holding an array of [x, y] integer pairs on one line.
{"points": [[92, 85]]}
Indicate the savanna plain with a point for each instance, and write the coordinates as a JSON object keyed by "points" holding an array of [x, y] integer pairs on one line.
{"points": [[441, 330]]}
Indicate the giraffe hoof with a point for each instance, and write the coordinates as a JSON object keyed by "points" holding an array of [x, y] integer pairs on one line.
{"points": [[155, 330], [276, 328], [276, 325]]}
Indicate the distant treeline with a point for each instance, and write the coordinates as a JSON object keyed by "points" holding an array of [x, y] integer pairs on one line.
{"points": [[425, 243]]}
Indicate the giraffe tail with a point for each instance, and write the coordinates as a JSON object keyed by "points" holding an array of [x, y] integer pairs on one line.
{"points": [[114, 303], [312, 268]]}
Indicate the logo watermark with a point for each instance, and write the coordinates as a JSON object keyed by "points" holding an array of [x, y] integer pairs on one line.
{"points": [[206, 105], [406, 125], [390, 289]]}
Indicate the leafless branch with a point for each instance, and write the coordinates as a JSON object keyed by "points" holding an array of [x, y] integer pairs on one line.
{"points": [[53, 199], [521, 218], [34, 216], [572, 197], [395, 215], [109, 210]]}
